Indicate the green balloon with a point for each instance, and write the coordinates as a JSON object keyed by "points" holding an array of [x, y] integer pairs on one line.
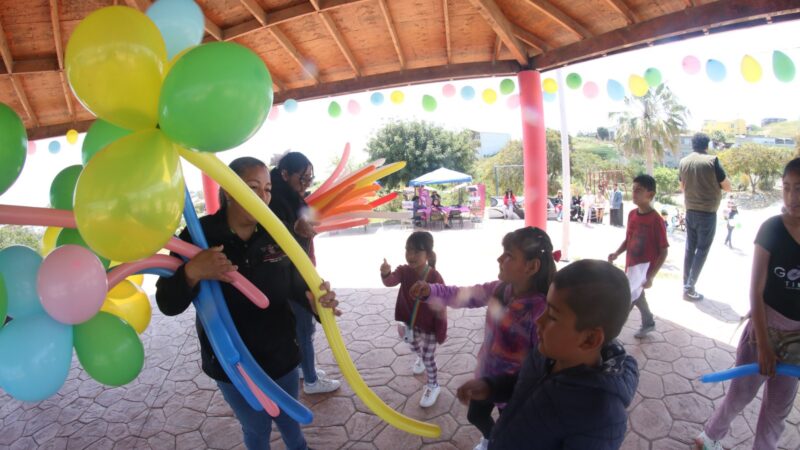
{"points": [[62, 190], [108, 349], [334, 109], [215, 97], [428, 103], [783, 66], [652, 76], [574, 81], [100, 134], [3, 301], [507, 86], [72, 236], [13, 147]]}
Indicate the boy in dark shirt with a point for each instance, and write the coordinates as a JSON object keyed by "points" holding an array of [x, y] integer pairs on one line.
{"points": [[574, 387]]}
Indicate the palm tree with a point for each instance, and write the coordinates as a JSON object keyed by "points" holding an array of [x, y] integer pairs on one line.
{"points": [[650, 124]]}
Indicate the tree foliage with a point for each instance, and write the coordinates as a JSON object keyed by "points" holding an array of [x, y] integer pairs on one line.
{"points": [[424, 146], [667, 183], [760, 164], [603, 134], [651, 124], [720, 140], [17, 235]]}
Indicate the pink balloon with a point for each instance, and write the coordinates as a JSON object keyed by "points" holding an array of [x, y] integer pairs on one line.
{"points": [[513, 101], [353, 107], [448, 90], [72, 284], [31, 147], [590, 89], [691, 65], [273, 113]]}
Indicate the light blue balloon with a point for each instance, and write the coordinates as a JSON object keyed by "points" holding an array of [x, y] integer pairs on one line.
{"points": [[615, 90], [20, 266], [376, 98], [54, 147], [549, 96], [36, 352], [290, 105], [181, 23], [715, 70], [467, 92]]}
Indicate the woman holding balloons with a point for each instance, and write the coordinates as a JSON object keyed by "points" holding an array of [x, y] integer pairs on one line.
{"points": [[237, 242]]}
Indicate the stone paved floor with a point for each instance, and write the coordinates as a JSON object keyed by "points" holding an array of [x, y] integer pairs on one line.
{"points": [[173, 405]]}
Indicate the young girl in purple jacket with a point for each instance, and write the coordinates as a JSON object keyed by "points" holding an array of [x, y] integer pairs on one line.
{"points": [[514, 303], [422, 326]]}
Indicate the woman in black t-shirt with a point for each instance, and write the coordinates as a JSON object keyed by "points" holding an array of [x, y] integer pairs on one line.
{"points": [[775, 314]]}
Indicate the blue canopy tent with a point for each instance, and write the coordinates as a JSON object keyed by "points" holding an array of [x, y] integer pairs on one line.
{"points": [[441, 176]]}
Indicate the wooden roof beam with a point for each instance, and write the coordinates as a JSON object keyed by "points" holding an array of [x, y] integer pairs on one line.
{"points": [[623, 9], [502, 27], [447, 31], [48, 131], [689, 3], [290, 48], [387, 16], [8, 60], [340, 42], [538, 44], [498, 45], [256, 10], [60, 55], [561, 18]]}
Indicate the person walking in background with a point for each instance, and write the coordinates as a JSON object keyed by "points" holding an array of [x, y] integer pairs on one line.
{"points": [[702, 181], [509, 200], [616, 207], [731, 220]]}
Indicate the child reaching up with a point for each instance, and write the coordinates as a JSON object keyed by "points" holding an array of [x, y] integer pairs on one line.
{"points": [[423, 327], [514, 302], [574, 387]]}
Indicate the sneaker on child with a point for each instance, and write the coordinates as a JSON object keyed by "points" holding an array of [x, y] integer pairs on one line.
{"points": [[418, 367], [703, 442], [429, 395], [644, 330], [692, 296], [320, 373], [321, 386], [482, 445]]}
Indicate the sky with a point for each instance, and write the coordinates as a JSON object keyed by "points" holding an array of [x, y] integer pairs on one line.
{"points": [[310, 130]]}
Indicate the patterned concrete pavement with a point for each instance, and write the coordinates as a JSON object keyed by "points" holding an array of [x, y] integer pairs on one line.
{"points": [[173, 405]]}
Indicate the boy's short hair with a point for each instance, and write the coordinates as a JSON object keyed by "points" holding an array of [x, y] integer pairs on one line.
{"points": [[646, 181], [598, 293]]}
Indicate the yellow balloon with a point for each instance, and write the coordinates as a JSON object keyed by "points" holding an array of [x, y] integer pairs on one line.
{"points": [[137, 279], [380, 173], [72, 136], [129, 197], [751, 69], [489, 96], [550, 85], [397, 97], [49, 240], [233, 185], [114, 63], [638, 85], [131, 304]]}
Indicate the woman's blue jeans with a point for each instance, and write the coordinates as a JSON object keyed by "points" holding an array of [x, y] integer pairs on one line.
{"points": [[257, 425], [306, 326]]}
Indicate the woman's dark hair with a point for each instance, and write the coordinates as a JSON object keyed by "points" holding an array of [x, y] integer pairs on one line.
{"points": [[422, 241], [534, 243], [792, 166], [294, 162], [239, 166]]}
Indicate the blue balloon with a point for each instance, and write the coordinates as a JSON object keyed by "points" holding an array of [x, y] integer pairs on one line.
{"points": [[20, 267], [181, 23], [788, 370], [36, 352], [549, 96], [54, 147], [290, 105], [376, 98], [715, 70], [615, 90], [467, 92]]}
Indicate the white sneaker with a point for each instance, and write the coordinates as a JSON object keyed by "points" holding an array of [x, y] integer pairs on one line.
{"points": [[320, 373], [429, 395], [321, 386], [418, 367], [703, 442], [482, 445]]}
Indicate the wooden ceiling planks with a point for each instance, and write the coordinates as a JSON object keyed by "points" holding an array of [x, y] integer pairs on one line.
{"points": [[316, 48]]}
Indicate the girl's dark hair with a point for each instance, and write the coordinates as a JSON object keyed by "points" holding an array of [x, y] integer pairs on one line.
{"points": [[423, 241], [792, 166], [294, 162], [239, 166], [534, 244]]}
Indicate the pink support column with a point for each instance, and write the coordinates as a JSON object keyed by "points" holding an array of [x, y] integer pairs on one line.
{"points": [[210, 194], [534, 149]]}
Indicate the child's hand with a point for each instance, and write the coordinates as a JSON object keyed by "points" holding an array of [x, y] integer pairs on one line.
{"points": [[648, 283], [473, 390], [766, 359], [612, 257], [328, 299], [385, 268], [420, 289]]}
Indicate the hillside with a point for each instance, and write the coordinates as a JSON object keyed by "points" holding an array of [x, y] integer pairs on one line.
{"points": [[786, 129]]}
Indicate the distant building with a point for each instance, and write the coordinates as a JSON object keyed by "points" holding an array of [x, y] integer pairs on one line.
{"points": [[491, 143], [684, 149], [734, 127], [765, 140], [769, 120]]}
